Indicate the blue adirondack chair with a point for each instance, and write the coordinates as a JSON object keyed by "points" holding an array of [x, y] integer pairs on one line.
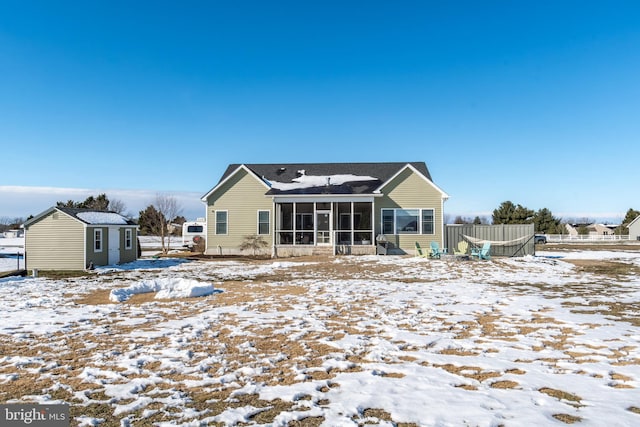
{"points": [[436, 252], [482, 253]]}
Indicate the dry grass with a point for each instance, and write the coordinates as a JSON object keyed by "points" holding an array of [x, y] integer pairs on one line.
{"points": [[224, 350], [567, 419], [561, 395]]}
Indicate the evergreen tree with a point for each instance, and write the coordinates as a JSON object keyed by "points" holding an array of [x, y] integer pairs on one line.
{"points": [[150, 220], [100, 203], [508, 213], [583, 230], [546, 223], [630, 216]]}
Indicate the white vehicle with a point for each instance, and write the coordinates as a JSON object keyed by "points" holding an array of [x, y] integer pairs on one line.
{"points": [[194, 232]]}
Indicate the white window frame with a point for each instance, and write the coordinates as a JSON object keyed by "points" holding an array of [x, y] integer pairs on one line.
{"points": [[433, 222], [268, 222], [97, 239], [419, 225], [128, 238], [226, 223]]}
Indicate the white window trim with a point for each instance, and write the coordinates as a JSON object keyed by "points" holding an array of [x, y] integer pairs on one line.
{"points": [[128, 233], [268, 222], [420, 227], [215, 223], [97, 237], [433, 215]]}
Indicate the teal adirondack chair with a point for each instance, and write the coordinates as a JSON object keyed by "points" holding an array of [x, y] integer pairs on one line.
{"points": [[482, 253], [436, 252]]}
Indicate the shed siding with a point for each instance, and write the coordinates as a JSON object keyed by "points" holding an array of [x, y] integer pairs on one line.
{"points": [[128, 255], [241, 197], [410, 191], [55, 244], [98, 258]]}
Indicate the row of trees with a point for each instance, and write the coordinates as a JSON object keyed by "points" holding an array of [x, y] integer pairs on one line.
{"points": [[8, 223], [544, 221]]}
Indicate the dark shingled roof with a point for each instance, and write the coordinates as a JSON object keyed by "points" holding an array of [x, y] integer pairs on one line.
{"points": [[286, 172]]}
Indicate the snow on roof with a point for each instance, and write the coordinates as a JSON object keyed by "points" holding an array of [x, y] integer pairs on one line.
{"points": [[102, 218], [308, 181]]}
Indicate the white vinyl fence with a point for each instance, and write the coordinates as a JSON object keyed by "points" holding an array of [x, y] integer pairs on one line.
{"points": [[586, 238]]}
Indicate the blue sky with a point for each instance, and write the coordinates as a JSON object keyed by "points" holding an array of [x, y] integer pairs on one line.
{"points": [[536, 102]]}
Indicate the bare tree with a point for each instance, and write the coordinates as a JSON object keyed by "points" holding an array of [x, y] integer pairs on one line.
{"points": [[253, 242], [168, 208], [118, 206], [7, 223]]}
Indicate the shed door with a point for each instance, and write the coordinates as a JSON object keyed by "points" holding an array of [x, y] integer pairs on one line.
{"points": [[114, 246]]}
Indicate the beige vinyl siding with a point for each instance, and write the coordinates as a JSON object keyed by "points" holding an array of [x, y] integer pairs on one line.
{"points": [[55, 244], [242, 196], [408, 190]]}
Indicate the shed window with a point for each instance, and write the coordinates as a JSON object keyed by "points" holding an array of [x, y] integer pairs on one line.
{"points": [[128, 238], [97, 240]]}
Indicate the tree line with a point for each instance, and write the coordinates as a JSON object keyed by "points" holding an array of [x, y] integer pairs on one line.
{"points": [[543, 219], [158, 218]]}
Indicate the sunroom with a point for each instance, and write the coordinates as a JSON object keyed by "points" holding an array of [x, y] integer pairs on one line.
{"points": [[330, 223]]}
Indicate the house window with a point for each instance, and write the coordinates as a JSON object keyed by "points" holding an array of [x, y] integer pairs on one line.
{"points": [[97, 240], [128, 238], [388, 222], [221, 222], [428, 222], [263, 222], [408, 221]]}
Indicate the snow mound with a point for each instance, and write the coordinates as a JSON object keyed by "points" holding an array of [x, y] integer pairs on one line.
{"points": [[166, 288]]}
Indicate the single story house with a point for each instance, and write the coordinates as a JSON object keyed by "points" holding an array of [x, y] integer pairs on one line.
{"points": [[76, 239], [324, 208], [594, 229], [634, 229]]}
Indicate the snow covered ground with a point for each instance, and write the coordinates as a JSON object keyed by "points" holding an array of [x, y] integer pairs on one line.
{"points": [[350, 341]]}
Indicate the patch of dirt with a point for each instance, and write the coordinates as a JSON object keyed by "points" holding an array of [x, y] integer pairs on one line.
{"points": [[562, 395], [566, 418]]}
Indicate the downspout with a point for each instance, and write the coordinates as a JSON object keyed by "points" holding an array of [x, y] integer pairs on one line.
{"points": [[274, 251], [442, 221], [84, 247]]}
